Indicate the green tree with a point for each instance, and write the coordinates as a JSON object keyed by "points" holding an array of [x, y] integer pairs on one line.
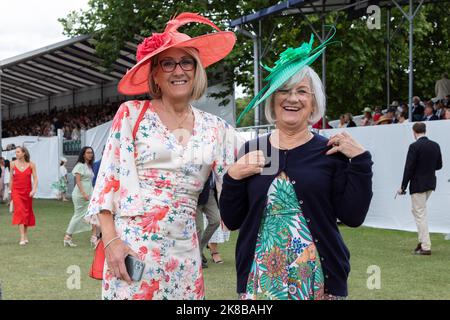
{"points": [[248, 119], [356, 68]]}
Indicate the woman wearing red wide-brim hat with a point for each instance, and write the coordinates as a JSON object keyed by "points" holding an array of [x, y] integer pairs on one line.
{"points": [[156, 161]]}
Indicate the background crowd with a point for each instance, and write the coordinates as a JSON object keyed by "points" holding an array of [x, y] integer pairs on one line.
{"points": [[71, 121], [422, 110]]}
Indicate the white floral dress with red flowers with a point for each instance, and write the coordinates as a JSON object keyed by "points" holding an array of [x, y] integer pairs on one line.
{"points": [[151, 185]]}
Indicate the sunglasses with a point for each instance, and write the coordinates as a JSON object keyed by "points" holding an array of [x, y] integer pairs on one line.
{"points": [[186, 64]]}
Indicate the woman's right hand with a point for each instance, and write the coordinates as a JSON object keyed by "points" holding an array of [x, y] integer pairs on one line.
{"points": [[250, 164], [115, 255], [86, 197]]}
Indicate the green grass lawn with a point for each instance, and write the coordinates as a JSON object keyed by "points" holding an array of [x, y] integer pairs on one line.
{"points": [[39, 270]]}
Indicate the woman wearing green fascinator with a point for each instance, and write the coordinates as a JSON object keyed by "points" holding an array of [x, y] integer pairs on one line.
{"points": [[288, 189]]}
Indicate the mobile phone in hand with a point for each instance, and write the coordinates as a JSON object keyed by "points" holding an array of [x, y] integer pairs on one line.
{"points": [[135, 267]]}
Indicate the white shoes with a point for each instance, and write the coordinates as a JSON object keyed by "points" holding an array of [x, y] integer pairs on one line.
{"points": [[23, 242], [69, 243]]}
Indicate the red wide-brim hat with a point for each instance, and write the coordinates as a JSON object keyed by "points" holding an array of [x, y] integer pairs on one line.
{"points": [[211, 47]]}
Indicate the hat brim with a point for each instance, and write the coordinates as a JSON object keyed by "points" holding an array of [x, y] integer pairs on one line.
{"points": [[276, 81], [211, 47], [385, 120], [285, 74]]}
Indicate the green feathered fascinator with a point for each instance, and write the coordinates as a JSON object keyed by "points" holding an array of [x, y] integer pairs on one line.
{"points": [[291, 61]]}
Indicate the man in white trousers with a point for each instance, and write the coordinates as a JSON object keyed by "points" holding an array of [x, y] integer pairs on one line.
{"points": [[423, 159]]}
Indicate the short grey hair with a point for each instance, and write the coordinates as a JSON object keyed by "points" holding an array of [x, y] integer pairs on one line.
{"points": [[319, 101], [200, 78]]}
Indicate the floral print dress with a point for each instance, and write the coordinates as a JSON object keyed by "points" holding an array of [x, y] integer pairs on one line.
{"points": [[151, 184], [286, 264]]}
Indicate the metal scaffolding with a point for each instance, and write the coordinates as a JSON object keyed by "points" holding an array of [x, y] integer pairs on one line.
{"points": [[324, 7]]}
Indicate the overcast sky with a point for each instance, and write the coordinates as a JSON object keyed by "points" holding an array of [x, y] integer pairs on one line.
{"points": [[26, 25]]}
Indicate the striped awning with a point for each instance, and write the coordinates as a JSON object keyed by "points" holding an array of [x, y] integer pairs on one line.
{"points": [[65, 66]]}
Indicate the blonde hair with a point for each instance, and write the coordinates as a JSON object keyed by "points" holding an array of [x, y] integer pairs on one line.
{"points": [[319, 100], [200, 78]]}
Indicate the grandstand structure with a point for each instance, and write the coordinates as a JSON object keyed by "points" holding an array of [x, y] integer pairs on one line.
{"points": [[59, 76], [67, 74], [36, 80]]}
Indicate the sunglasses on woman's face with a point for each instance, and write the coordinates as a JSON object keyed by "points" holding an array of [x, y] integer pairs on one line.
{"points": [[169, 65]]}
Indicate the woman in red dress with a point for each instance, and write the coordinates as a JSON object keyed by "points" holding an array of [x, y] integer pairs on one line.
{"points": [[22, 192]]}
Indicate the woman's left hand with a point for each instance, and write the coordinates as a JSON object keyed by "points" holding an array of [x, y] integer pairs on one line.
{"points": [[32, 193], [344, 143]]}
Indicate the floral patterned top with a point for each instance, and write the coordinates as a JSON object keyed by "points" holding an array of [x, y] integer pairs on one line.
{"points": [[286, 264], [151, 184], [155, 169]]}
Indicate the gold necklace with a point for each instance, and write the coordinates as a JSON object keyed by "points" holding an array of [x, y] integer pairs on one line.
{"points": [[184, 119], [180, 123], [21, 166]]}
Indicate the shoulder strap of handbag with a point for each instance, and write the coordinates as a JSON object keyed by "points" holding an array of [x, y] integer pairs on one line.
{"points": [[139, 119]]}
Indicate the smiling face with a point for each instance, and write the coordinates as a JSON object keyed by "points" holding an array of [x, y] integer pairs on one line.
{"points": [[294, 106], [176, 84]]}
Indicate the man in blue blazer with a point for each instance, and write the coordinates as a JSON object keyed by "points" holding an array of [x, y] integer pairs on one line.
{"points": [[423, 159]]}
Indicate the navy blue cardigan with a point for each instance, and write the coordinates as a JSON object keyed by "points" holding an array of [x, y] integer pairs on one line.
{"points": [[327, 187]]}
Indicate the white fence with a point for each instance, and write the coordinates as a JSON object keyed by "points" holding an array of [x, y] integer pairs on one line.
{"points": [[388, 145]]}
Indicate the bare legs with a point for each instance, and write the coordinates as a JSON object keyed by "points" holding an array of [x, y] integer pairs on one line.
{"points": [[94, 237], [68, 241], [62, 196], [215, 255], [68, 238], [23, 229]]}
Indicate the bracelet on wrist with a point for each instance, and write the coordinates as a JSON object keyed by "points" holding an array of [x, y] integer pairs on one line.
{"points": [[110, 241]]}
